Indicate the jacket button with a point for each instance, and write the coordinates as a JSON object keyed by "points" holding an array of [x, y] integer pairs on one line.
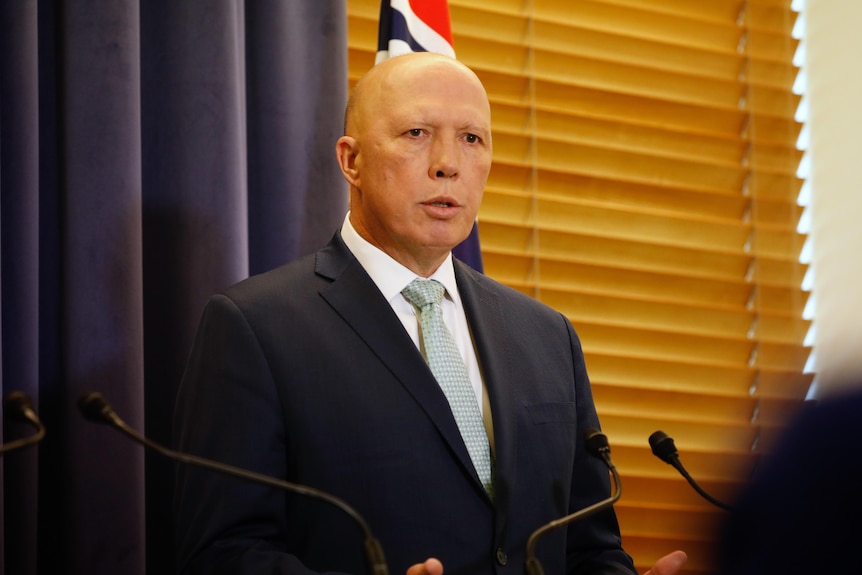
{"points": [[502, 558]]}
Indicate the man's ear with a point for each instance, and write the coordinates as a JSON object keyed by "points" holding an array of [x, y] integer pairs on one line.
{"points": [[346, 150]]}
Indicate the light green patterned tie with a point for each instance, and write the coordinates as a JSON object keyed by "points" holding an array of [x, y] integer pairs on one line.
{"points": [[448, 368]]}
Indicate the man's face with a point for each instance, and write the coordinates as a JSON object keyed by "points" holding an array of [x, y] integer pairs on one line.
{"points": [[421, 154]]}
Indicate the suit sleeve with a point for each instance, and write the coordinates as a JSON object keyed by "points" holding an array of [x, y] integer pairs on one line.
{"points": [[594, 544], [227, 409]]}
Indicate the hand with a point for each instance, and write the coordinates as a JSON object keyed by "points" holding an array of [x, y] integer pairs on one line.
{"points": [[670, 564], [430, 567]]}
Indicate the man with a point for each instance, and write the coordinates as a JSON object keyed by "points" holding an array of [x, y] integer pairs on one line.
{"points": [[314, 373]]}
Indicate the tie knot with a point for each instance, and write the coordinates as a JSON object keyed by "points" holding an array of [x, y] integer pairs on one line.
{"points": [[424, 292]]}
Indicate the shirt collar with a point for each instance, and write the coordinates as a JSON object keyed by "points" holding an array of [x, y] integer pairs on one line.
{"points": [[390, 276]]}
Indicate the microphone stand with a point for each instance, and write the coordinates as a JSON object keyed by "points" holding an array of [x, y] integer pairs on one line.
{"points": [[17, 405], [597, 444], [95, 408]]}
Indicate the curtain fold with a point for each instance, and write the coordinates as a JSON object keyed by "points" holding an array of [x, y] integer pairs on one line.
{"points": [[295, 115], [151, 153], [101, 323], [19, 245]]}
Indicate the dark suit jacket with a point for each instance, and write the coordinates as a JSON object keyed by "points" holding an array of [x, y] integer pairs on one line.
{"points": [[306, 374]]}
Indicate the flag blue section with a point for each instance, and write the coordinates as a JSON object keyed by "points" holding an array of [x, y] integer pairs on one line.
{"points": [[393, 26], [384, 25], [469, 251]]}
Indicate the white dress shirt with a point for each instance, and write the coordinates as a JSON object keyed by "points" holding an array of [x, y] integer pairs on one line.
{"points": [[391, 277]]}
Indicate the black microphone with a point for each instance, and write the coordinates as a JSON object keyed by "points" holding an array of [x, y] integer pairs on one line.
{"points": [[96, 408], [664, 448], [596, 443], [17, 406]]}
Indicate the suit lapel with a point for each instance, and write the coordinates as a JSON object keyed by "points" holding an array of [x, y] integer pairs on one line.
{"points": [[354, 296], [488, 328]]}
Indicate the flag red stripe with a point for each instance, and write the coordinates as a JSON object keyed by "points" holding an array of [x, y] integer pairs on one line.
{"points": [[435, 13]]}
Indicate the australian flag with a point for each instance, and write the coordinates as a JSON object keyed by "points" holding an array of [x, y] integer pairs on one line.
{"points": [[423, 26]]}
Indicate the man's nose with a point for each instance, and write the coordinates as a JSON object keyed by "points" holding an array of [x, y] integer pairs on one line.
{"points": [[444, 163]]}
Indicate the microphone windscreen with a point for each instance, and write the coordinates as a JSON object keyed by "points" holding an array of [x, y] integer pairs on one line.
{"points": [[95, 407], [596, 442], [663, 446]]}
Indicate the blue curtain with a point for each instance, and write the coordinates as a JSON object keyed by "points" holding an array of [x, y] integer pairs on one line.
{"points": [[151, 153]]}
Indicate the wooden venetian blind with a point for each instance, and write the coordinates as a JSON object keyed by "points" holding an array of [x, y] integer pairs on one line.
{"points": [[644, 183]]}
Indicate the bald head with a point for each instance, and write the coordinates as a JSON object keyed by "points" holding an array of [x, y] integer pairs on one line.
{"points": [[418, 67]]}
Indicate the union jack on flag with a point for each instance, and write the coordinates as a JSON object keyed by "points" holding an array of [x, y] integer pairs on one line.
{"points": [[423, 26], [414, 26]]}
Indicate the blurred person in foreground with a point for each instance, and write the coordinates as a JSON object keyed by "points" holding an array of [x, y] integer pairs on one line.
{"points": [[314, 373], [800, 513]]}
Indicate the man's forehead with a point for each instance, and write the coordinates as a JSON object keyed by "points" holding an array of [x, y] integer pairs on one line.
{"points": [[406, 91], [421, 111]]}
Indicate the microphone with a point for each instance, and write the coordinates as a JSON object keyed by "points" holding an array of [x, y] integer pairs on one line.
{"points": [[96, 408], [596, 443], [664, 448], [17, 406]]}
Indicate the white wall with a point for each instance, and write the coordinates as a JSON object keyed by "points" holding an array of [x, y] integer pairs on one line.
{"points": [[834, 68]]}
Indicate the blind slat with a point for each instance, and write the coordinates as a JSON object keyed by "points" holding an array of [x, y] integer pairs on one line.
{"points": [[618, 222], [554, 127]]}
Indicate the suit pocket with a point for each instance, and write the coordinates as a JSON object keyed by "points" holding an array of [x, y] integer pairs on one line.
{"points": [[544, 413]]}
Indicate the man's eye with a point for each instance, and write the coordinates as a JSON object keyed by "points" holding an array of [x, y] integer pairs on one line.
{"points": [[472, 138], [416, 132]]}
